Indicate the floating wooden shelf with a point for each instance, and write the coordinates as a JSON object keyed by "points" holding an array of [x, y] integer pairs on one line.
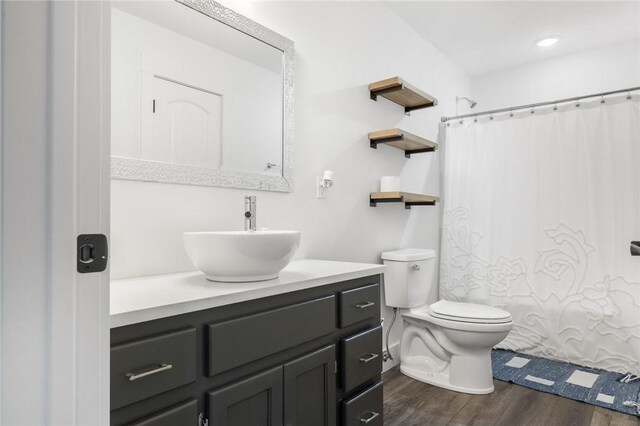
{"points": [[401, 139], [399, 91], [407, 198]]}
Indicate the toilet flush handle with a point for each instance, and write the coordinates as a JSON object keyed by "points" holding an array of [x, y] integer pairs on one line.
{"points": [[415, 267]]}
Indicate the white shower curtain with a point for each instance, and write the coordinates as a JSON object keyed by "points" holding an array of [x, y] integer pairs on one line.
{"points": [[539, 211]]}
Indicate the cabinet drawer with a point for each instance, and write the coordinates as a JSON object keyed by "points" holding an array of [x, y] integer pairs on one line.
{"points": [[185, 414], [361, 358], [147, 367], [359, 304], [364, 408], [243, 340]]}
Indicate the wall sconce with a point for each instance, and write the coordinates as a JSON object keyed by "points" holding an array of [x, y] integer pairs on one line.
{"points": [[323, 183]]}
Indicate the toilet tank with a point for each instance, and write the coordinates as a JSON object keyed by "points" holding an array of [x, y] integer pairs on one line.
{"points": [[409, 279]]}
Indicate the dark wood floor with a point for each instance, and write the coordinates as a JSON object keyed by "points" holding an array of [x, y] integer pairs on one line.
{"points": [[409, 402]]}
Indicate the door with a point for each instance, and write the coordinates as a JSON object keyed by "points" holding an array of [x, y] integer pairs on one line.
{"points": [[310, 389], [55, 186], [256, 401], [180, 123]]}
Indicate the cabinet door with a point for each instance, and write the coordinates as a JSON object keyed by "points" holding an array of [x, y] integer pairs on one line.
{"points": [[310, 389], [256, 401]]}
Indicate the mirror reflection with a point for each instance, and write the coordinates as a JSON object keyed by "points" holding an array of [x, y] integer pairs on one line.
{"points": [[191, 91]]}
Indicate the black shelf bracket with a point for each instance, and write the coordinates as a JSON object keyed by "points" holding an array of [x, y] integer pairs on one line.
{"points": [[373, 94], [374, 202], [374, 143], [399, 85], [408, 204], [408, 109], [407, 153]]}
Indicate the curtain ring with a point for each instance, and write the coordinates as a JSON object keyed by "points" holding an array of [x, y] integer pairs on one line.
{"points": [[461, 121], [628, 95], [491, 117], [533, 111], [602, 100], [511, 113], [577, 103], [555, 107], [475, 118]]}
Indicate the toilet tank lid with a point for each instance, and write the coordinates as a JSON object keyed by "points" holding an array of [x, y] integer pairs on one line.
{"points": [[408, 255]]}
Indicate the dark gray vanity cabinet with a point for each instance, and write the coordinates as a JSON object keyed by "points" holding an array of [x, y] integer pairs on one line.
{"points": [[306, 358], [361, 357], [310, 389], [255, 401], [150, 366], [250, 338], [364, 408], [358, 304], [302, 392], [180, 414]]}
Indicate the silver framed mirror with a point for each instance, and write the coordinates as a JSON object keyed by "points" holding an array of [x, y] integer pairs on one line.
{"points": [[215, 96]]}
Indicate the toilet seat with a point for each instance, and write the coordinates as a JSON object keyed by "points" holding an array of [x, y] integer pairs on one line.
{"points": [[424, 317], [462, 316], [468, 312]]}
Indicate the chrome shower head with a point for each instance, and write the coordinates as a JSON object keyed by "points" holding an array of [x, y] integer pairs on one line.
{"points": [[472, 103]]}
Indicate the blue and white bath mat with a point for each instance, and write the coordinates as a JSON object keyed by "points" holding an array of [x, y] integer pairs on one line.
{"points": [[620, 392]]}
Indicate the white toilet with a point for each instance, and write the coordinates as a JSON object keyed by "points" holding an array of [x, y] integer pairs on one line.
{"points": [[446, 344]]}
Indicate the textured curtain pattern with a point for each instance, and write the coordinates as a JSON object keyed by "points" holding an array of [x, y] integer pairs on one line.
{"points": [[539, 210]]}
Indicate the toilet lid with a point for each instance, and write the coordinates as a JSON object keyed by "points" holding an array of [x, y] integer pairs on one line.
{"points": [[468, 312]]}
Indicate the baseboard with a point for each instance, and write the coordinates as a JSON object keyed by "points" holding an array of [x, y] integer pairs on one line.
{"points": [[395, 353]]}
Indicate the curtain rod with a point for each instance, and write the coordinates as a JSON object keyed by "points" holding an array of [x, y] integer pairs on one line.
{"points": [[559, 101]]}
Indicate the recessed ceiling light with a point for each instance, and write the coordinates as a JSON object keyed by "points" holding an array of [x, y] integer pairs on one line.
{"points": [[549, 41]]}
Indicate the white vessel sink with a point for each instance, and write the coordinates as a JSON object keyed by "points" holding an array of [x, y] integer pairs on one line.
{"points": [[241, 256]]}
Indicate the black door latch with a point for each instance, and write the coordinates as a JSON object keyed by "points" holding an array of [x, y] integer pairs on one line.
{"points": [[92, 253], [635, 248]]}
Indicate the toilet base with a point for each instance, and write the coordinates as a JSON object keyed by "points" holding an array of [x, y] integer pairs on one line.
{"points": [[441, 380], [435, 355]]}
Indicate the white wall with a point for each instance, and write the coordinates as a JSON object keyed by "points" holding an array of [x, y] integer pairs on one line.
{"points": [[606, 68], [340, 48]]}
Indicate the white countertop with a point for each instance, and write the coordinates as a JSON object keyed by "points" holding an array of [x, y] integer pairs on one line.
{"points": [[135, 300]]}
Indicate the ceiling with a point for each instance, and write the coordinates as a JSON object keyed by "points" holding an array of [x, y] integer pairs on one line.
{"points": [[483, 36]]}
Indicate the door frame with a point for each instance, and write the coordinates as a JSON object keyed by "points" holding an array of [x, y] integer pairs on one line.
{"points": [[55, 185]]}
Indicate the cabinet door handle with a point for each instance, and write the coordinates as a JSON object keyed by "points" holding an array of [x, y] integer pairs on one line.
{"points": [[369, 419], [369, 357], [161, 367], [365, 305]]}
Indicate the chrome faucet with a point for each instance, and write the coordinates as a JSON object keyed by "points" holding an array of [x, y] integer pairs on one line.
{"points": [[250, 213]]}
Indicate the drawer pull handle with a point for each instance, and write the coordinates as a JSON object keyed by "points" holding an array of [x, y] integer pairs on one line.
{"points": [[370, 418], [365, 305], [369, 357], [162, 367]]}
